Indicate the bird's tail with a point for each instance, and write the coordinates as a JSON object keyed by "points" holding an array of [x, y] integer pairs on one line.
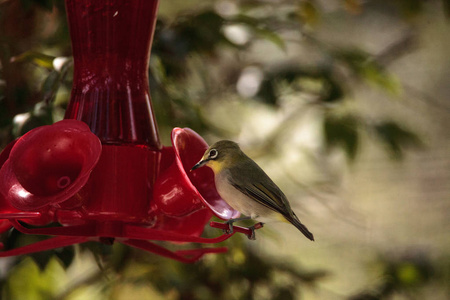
{"points": [[296, 222]]}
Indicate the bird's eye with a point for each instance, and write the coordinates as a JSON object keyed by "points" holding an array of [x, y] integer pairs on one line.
{"points": [[213, 153]]}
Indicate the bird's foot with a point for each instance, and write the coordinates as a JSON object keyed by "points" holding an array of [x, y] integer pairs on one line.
{"points": [[230, 226], [252, 235]]}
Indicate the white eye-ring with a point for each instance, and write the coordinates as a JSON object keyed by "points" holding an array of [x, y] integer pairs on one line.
{"points": [[213, 153]]}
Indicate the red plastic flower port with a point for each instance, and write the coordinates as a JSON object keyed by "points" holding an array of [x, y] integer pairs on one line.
{"points": [[179, 192], [49, 164]]}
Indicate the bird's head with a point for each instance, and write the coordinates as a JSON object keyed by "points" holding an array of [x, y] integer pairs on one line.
{"points": [[222, 154]]}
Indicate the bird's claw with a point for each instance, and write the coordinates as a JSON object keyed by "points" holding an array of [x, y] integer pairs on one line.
{"points": [[252, 235], [230, 227]]}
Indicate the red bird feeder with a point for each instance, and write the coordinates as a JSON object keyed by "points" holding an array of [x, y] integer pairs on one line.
{"points": [[101, 174]]}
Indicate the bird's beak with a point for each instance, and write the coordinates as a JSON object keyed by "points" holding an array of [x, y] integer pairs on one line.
{"points": [[201, 163]]}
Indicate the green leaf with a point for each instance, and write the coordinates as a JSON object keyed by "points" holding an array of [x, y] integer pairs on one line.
{"points": [[27, 281], [363, 65], [40, 59], [51, 85], [270, 36], [396, 138], [308, 13], [41, 258], [259, 28], [408, 274], [53, 82], [376, 75], [41, 115], [342, 132]]}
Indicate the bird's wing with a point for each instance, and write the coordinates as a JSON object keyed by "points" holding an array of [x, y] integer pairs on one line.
{"points": [[258, 186]]}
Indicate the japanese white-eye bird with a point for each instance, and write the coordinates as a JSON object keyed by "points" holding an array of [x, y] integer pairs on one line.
{"points": [[246, 187]]}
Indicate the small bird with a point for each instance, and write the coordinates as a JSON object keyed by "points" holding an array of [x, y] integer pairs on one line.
{"points": [[247, 188]]}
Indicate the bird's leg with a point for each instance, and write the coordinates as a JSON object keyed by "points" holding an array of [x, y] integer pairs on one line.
{"points": [[252, 236], [230, 224]]}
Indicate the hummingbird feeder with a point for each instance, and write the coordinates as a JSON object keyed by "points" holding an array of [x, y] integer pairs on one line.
{"points": [[101, 174]]}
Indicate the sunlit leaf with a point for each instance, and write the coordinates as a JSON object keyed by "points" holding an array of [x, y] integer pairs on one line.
{"points": [[260, 28], [271, 36], [408, 274], [37, 58], [363, 65], [375, 74], [27, 281], [308, 12], [41, 258]]}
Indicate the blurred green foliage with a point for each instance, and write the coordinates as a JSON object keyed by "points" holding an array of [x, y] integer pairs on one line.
{"points": [[191, 69], [402, 274]]}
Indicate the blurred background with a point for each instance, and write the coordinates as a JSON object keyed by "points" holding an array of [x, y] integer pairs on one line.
{"points": [[344, 103]]}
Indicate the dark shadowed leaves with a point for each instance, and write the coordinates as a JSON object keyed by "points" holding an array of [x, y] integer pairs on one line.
{"points": [[40, 115], [65, 257], [446, 7], [343, 132], [199, 32], [326, 88], [45, 4], [267, 92], [396, 138], [403, 274], [17, 239], [239, 274]]}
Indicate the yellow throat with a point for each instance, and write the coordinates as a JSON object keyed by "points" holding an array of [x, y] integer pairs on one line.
{"points": [[215, 166]]}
